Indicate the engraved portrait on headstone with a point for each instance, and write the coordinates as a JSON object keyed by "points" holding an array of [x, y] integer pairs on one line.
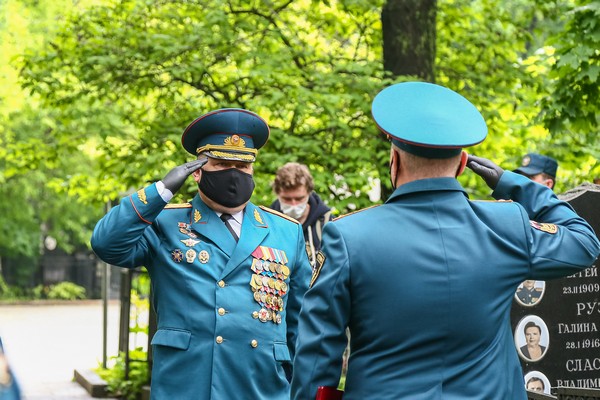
{"points": [[530, 292], [536, 381], [531, 338]]}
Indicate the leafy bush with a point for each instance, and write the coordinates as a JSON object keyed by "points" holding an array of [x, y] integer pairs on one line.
{"points": [[66, 291], [130, 387], [60, 291], [8, 292]]}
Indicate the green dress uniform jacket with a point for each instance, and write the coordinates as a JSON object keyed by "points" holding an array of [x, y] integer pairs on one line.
{"points": [[425, 283], [227, 312]]}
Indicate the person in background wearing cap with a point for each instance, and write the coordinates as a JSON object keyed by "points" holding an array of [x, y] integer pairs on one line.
{"points": [[296, 198], [401, 275], [539, 168], [227, 276]]}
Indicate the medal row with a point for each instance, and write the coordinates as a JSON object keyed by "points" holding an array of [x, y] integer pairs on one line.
{"points": [[270, 301], [270, 268], [264, 315]]}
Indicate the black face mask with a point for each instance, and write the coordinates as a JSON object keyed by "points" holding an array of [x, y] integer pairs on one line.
{"points": [[228, 187]]}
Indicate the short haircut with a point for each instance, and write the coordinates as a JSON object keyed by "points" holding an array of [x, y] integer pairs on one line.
{"points": [[535, 379], [292, 175], [546, 176], [532, 324], [427, 167]]}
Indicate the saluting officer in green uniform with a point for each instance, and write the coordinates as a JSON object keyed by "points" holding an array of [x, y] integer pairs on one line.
{"points": [[227, 276]]}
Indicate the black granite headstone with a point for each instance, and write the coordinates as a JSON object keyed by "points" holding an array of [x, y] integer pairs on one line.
{"points": [[567, 310]]}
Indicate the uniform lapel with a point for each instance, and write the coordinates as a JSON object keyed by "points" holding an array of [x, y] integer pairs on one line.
{"points": [[254, 230], [208, 224]]}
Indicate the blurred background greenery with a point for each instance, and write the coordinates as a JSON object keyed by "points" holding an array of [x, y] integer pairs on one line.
{"points": [[95, 94]]}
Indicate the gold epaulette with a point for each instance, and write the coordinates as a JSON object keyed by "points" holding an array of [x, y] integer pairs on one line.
{"points": [[357, 211], [180, 205], [280, 214]]}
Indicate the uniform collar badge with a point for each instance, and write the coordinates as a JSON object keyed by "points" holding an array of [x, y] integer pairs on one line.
{"points": [[258, 217]]}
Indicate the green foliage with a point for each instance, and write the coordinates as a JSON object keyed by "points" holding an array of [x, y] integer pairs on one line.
{"points": [[6, 292], [59, 291], [129, 388], [112, 86], [38, 167], [66, 291], [308, 67], [571, 106], [576, 71]]}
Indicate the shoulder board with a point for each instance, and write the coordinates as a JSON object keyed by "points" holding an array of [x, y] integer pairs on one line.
{"points": [[282, 215], [355, 212], [181, 205]]}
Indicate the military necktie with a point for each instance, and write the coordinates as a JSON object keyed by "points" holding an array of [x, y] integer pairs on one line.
{"points": [[225, 218]]}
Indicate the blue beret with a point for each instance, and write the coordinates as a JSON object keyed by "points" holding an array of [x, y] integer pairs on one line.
{"points": [[533, 164], [228, 133], [428, 120]]}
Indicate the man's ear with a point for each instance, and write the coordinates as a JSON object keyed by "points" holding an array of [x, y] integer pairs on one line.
{"points": [[394, 165], [463, 163], [197, 174]]}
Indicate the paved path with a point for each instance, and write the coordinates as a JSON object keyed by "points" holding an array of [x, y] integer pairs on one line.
{"points": [[45, 343]]}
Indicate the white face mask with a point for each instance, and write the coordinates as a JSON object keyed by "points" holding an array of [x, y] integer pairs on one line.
{"points": [[293, 211]]}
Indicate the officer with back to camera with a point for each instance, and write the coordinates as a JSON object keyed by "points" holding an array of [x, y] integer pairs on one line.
{"points": [[425, 282]]}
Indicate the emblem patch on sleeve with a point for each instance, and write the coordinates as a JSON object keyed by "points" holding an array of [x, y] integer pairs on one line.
{"points": [[142, 196], [319, 264], [548, 228]]}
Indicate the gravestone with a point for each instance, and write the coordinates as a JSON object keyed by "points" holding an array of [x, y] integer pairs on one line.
{"points": [[568, 312]]}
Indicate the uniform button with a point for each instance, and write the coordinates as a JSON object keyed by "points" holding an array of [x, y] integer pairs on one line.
{"points": [[221, 283], [221, 311], [255, 314], [254, 343], [219, 339]]}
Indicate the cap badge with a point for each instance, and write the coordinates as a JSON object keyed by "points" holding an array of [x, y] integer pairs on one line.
{"points": [[526, 161], [234, 141]]}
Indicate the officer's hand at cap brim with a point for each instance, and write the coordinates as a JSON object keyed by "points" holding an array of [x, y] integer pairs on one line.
{"points": [[485, 168]]}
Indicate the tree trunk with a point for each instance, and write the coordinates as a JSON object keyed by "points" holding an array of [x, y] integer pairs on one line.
{"points": [[409, 37]]}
